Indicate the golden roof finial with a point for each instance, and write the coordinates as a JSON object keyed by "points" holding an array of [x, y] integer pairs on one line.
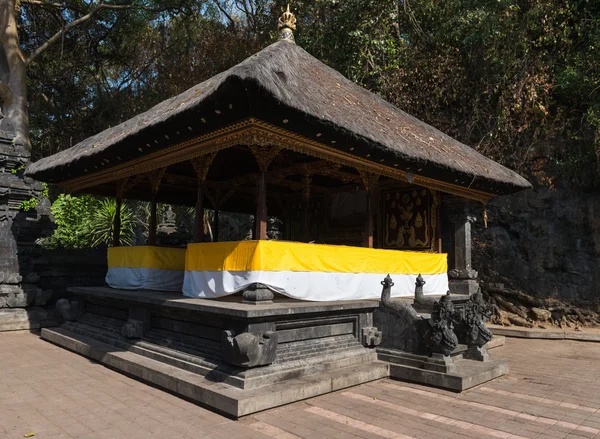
{"points": [[287, 26]]}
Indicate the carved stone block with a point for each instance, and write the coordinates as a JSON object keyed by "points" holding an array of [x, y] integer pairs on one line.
{"points": [[371, 337], [133, 329], [440, 363], [67, 311], [248, 349], [478, 353], [257, 294]]}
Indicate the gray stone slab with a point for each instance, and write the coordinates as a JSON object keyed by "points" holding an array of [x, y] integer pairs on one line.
{"points": [[468, 374], [497, 341], [220, 397], [230, 306], [19, 319], [545, 334]]}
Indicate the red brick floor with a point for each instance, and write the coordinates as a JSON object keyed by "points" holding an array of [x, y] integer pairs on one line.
{"points": [[553, 391]]}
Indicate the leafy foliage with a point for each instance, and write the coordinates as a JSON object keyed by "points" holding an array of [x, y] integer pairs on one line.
{"points": [[101, 224], [518, 80], [86, 221]]}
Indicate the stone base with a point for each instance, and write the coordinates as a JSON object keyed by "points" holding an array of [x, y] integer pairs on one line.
{"points": [[211, 391], [19, 319], [232, 354], [461, 374], [463, 286]]}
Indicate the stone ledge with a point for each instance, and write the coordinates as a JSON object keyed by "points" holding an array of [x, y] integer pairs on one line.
{"points": [[544, 334], [220, 397], [227, 306], [469, 374], [19, 319]]}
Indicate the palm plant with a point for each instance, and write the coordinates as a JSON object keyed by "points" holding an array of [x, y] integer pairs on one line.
{"points": [[101, 225]]}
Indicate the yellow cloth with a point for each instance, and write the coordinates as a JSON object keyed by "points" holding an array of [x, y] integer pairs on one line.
{"points": [[147, 256], [296, 256]]}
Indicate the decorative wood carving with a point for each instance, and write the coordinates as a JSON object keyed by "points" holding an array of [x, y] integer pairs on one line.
{"points": [[201, 165], [264, 154], [255, 132], [155, 178], [409, 219]]}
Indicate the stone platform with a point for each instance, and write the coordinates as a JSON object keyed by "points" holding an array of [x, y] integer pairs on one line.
{"points": [[238, 358], [233, 357], [456, 373]]}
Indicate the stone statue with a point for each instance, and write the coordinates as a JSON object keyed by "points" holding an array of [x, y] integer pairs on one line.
{"points": [[403, 310], [472, 330], [248, 349], [168, 225], [420, 299], [440, 336]]}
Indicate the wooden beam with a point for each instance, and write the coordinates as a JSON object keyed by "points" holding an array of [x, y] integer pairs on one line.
{"points": [[307, 181], [369, 223], [261, 209], [155, 178], [201, 165], [152, 222], [199, 221], [117, 223], [264, 155], [248, 132], [370, 182]]}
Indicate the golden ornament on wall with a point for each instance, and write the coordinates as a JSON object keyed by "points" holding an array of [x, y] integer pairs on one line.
{"points": [[419, 221]]}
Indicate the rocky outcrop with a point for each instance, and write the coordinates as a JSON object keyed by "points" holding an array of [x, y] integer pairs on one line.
{"points": [[543, 247]]}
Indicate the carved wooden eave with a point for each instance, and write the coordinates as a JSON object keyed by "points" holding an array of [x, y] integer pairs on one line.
{"points": [[253, 132]]}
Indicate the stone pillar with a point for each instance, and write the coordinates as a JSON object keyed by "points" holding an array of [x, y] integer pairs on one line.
{"points": [[460, 213], [20, 296]]}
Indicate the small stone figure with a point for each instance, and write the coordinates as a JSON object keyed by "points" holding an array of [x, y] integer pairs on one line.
{"points": [[168, 224], [440, 336], [248, 349]]}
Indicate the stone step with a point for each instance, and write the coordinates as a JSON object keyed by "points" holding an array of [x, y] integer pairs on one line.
{"points": [[184, 343], [219, 396]]}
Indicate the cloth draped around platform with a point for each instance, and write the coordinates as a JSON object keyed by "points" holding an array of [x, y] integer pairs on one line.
{"points": [[146, 268], [309, 271]]}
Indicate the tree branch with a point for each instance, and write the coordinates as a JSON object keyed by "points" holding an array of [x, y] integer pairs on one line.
{"points": [[224, 12], [42, 3], [58, 35]]}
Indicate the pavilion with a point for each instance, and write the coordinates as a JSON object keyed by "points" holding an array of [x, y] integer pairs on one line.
{"points": [[284, 134]]}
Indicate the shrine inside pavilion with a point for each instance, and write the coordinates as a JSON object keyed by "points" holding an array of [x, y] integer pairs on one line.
{"points": [[362, 188]]}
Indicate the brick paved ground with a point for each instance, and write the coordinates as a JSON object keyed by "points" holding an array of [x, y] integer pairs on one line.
{"points": [[553, 391]]}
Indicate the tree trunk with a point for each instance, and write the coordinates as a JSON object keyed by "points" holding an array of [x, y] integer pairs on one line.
{"points": [[13, 91]]}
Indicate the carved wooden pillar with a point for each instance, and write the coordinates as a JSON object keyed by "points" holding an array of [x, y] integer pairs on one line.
{"points": [[436, 222], [261, 209], [117, 223], [201, 165], [217, 209], [155, 178], [371, 182], [121, 187], [264, 156], [306, 196]]}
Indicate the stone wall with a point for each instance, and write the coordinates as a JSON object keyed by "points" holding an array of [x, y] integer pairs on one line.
{"points": [[545, 242], [63, 268]]}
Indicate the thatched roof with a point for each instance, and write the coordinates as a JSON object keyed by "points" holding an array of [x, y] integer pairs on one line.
{"points": [[280, 80]]}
